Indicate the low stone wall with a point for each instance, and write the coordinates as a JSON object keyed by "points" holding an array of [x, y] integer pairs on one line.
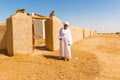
{"points": [[3, 41]]}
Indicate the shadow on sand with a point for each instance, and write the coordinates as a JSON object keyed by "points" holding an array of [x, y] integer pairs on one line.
{"points": [[43, 48], [51, 57], [4, 52]]}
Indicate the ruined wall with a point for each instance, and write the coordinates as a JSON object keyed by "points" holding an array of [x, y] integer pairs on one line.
{"points": [[57, 24], [77, 33], [3, 42], [52, 28], [19, 34], [86, 33], [49, 34], [91, 33], [9, 36]]}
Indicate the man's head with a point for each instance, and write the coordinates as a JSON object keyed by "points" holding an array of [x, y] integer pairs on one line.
{"points": [[66, 24]]}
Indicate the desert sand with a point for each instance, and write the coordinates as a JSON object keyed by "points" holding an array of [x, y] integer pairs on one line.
{"points": [[94, 58]]}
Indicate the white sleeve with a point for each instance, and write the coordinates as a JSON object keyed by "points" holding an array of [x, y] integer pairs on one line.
{"points": [[60, 34], [70, 38]]}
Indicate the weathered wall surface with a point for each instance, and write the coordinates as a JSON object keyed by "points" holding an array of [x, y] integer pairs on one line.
{"points": [[91, 33], [49, 34], [52, 28], [3, 38], [19, 34], [94, 33], [9, 36], [57, 24], [86, 33], [77, 33], [19, 37], [39, 28]]}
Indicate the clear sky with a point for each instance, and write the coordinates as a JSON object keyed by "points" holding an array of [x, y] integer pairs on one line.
{"points": [[99, 15]]}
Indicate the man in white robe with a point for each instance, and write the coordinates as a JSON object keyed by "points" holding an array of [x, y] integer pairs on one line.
{"points": [[65, 38]]}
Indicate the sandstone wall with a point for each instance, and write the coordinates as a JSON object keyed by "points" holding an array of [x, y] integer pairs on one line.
{"points": [[86, 33], [77, 33], [57, 24], [19, 34], [91, 32], [3, 42], [49, 34], [51, 30]]}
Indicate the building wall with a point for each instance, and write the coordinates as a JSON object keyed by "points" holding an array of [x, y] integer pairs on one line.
{"points": [[57, 24], [9, 36], [52, 28], [86, 33], [91, 33], [19, 37], [49, 34], [3, 38], [77, 33]]}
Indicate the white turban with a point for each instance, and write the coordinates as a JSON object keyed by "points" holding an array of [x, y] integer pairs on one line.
{"points": [[66, 23]]}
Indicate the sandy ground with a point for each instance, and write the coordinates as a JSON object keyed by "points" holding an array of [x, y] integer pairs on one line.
{"points": [[95, 58]]}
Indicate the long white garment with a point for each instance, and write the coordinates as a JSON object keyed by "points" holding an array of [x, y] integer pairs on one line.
{"points": [[65, 43]]}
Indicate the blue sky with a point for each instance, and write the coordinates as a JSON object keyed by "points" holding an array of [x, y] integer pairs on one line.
{"points": [[99, 15]]}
